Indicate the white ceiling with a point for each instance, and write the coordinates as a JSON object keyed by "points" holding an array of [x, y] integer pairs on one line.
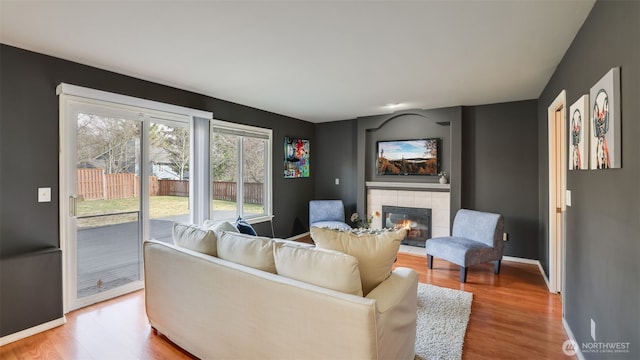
{"points": [[313, 60]]}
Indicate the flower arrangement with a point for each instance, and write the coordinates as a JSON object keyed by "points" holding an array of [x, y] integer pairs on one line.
{"points": [[443, 177], [366, 222]]}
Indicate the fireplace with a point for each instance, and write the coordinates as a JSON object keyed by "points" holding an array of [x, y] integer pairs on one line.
{"points": [[417, 220]]}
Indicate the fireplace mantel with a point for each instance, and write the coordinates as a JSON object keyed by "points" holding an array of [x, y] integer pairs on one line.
{"points": [[407, 186], [437, 199]]}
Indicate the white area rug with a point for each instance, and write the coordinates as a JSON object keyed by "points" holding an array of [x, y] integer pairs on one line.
{"points": [[443, 315]]}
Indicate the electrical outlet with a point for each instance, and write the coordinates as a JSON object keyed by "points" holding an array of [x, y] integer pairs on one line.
{"points": [[505, 237], [593, 330], [337, 181], [44, 194]]}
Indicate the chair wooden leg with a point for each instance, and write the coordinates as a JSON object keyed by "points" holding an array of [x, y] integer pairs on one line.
{"points": [[463, 274], [430, 261], [496, 266]]}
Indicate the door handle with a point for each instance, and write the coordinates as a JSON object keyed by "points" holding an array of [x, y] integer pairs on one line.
{"points": [[73, 206]]}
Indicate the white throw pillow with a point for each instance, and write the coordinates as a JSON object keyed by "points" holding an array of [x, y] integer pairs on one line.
{"points": [[376, 251], [329, 269], [248, 250], [219, 227], [195, 238]]}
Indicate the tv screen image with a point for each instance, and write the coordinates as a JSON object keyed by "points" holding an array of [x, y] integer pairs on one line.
{"points": [[408, 157]]}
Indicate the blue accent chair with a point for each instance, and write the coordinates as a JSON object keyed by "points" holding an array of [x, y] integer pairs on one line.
{"points": [[327, 213], [476, 238]]}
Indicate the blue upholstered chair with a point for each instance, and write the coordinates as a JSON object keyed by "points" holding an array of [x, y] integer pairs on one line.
{"points": [[327, 213], [476, 238]]}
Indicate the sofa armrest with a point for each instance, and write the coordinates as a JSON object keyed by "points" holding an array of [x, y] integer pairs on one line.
{"points": [[394, 289], [397, 306]]}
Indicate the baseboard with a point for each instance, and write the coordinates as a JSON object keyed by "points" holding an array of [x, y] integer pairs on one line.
{"points": [[532, 262], [299, 236], [544, 276], [576, 347], [521, 260], [32, 331]]}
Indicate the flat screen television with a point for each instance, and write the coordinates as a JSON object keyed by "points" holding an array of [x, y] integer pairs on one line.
{"points": [[408, 157]]}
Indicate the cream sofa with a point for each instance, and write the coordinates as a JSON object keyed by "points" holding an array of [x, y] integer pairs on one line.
{"points": [[221, 309]]}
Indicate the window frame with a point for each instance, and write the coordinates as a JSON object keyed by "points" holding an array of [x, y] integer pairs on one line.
{"points": [[242, 130]]}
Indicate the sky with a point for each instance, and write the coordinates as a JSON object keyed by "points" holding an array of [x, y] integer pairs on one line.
{"points": [[395, 150]]}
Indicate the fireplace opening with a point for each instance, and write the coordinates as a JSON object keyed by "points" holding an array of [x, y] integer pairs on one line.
{"points": [[416, 220]]}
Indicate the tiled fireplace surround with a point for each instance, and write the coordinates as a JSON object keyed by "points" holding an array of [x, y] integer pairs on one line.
{"points": [[437, 200]]}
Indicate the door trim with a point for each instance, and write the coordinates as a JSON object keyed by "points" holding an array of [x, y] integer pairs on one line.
{"points": [[556, 246]]}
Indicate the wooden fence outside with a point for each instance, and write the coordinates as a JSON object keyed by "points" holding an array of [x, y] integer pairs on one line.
{"points": [[172, 187], [94, 184], [228, 191]]}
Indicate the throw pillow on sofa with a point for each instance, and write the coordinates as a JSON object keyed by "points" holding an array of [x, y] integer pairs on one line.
{"points": [[244, 227], [326, 268], [376, 251], [247, 250], [195, 238], [218, 227]]}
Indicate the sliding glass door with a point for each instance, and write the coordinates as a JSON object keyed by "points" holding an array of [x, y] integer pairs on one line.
{"points": [[125, 178], [104, 218]]}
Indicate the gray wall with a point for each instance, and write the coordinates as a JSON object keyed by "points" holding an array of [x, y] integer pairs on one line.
{"points": [[410, 124], [603, 223], [29, 153], [35, 275], [500, 169], [335, 158], [490, 150], [405, 127]]}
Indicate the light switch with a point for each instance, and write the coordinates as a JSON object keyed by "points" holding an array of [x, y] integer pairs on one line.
{"points": [[567, 197], [337, 181], [44, 194]]}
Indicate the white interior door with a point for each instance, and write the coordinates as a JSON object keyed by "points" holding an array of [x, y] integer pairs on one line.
{"points": [[557, 189], [559, 192]]}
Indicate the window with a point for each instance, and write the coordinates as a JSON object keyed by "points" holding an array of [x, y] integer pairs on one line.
{"points": [[240, 172]]}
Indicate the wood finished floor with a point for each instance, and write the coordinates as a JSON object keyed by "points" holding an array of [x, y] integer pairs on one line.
{"points": [[513, 316]]}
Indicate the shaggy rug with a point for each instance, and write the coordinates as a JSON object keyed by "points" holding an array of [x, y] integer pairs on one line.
{"points": [[443, 315]]}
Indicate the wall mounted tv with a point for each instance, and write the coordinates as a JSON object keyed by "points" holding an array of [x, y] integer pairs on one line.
{"points": [[408, 157]]}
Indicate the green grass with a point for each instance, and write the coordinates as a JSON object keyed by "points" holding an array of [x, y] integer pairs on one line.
{"points": [[160, 207]]}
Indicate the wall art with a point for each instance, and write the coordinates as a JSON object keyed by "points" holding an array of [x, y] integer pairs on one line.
{"points": [[296, 157], [605, 131], [579, 121]]}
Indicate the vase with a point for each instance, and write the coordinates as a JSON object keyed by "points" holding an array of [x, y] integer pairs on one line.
{"points": [[443, 180]]}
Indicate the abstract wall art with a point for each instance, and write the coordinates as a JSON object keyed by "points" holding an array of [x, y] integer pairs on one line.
{"points": [[296, 157], [605, 131], [579, 121]]}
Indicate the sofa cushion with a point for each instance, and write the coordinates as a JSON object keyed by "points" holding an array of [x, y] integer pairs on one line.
{"points": [[195, 238], [376, 251], [327, 268], [248, 250], [294, 243]]}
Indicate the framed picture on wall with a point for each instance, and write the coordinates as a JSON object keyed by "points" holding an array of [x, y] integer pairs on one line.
{"points": [[296, 157], [605, 131], [579, 134]]}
